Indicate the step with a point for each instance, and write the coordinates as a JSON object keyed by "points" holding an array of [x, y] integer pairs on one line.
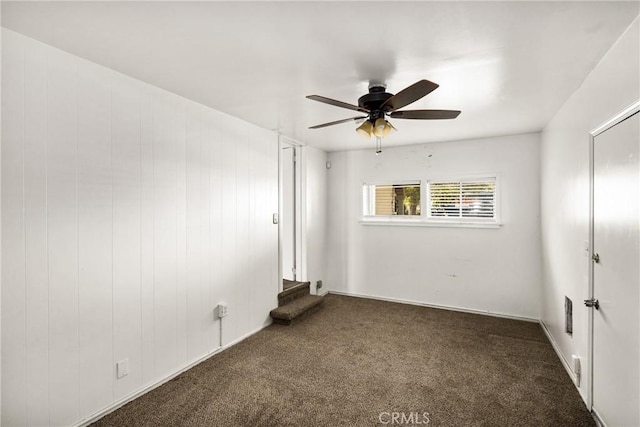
{"points": [[296, 309], [300, 290], [288, 284]]}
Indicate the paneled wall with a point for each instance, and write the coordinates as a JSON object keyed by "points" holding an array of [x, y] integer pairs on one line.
{"points": [[315, 181], [128, 214]]}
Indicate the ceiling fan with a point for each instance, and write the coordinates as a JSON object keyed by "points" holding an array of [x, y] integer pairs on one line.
{"points": [[378, 104]]}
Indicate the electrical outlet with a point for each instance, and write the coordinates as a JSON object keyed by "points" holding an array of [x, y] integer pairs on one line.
{"points": [[577, 368], [122, 368], [221, 310], [318, 284]]}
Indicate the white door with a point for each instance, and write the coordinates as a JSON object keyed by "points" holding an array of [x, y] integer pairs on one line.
{"points": [[288, 214], [616, 274]]}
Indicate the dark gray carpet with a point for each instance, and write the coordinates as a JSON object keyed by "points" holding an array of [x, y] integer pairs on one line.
{"points": [[288, 284], [356, 359]]}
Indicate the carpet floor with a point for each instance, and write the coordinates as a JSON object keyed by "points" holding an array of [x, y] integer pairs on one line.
{"points": [[362, 362]]}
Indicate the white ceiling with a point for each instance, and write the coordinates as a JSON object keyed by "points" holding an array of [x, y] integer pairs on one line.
{"points": [[507, 65]]}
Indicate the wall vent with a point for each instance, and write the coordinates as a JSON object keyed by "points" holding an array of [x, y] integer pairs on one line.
{"points": [[568, 315]]}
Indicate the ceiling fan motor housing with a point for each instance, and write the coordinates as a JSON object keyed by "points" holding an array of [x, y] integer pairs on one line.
{"points": [[373, 100]]}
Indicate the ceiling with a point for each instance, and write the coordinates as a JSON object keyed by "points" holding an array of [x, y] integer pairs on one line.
{"points": [[508, 66]]}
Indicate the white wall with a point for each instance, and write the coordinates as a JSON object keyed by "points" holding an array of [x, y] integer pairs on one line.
{"points": [[611, 86], [315, 214], [1, 40], [129, 214], [493, 270]]}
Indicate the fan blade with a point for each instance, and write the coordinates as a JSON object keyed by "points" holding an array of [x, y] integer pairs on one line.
{"points": [[337, 122], [425, 114], [337, 103], [409, 95]]}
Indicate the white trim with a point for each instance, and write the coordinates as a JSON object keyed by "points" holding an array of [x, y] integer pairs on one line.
{"points": [[621, 116], [564, 361], [597, 419], [280, 283], [301, 213], [438, 306], [1, 31], [367, 188], [589, 383], [120, 403], [429, 223], [391, 182], [300, 202]]}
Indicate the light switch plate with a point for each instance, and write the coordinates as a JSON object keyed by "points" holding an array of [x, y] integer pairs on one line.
{"points": [[122, 368]]}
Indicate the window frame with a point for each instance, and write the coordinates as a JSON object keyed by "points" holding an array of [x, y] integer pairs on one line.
{"points": [[494, 219], [425, 219], [366, 203]]}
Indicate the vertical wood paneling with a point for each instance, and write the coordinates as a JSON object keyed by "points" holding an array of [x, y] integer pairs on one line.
{"points": [[35, 191], [205, 313], [128, 214], [257, 235], [95, 238], [228, 280], [194, 232], [253, 243], [14, 369], [147, 245], [62, 227], [217, 269], [265, 288], [271, 177], [165, 129], [242, 255], [126, 158], [270, 180], [179, 112]]}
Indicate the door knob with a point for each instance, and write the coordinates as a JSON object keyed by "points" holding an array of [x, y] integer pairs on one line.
{"points": [[592, 302]]}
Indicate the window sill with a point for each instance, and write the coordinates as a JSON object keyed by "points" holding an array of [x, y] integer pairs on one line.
{"points": [[422, 223]]}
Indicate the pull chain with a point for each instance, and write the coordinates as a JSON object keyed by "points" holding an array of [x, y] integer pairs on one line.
{"points": [[378, 145]]}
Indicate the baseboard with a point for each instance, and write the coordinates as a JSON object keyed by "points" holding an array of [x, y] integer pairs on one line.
{"points": [[120, 403], [597, 419], [438, 306], [563, 360]]}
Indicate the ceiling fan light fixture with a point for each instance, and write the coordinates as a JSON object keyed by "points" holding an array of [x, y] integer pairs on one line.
{"points": [[365, 129], [382, 128], [379, 126], [390, 128]]}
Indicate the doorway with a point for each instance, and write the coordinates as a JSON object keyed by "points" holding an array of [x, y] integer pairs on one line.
{"points": [[615, 271], [290, 212]]}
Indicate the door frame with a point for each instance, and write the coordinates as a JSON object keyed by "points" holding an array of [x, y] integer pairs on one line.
{"points": [[300, 195], [616, 119]]}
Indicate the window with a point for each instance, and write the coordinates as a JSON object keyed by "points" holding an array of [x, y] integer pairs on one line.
{"points": [[463, 200], [392, 199], [468, 202]]}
